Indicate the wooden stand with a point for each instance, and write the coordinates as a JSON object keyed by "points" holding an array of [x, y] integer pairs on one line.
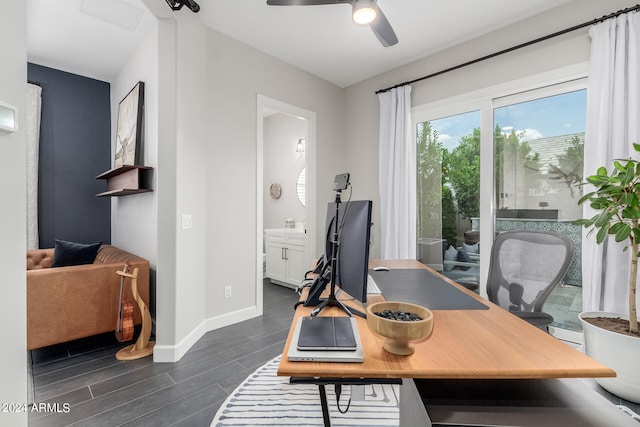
{"points": [[142, 347]]}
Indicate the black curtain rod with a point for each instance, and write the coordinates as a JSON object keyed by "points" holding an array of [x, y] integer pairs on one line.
{"points": [[511, 49]]}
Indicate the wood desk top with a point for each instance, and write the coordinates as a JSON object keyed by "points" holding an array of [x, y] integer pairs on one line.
{"points": [[481, 344]]}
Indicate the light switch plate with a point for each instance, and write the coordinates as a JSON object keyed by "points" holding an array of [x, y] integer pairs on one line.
{"points": [[8, 118], [186, 221]]}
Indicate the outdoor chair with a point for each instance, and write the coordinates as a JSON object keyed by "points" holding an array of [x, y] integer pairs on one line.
{"points": [[462, 265]]}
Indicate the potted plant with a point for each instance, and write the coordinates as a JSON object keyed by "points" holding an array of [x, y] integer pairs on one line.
{"points": [[611, 338]]}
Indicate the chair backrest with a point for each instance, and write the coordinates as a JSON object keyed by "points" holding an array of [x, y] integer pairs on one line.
{"points": [[525, 267]]}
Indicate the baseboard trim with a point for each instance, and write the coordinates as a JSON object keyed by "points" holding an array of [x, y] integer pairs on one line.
{"points": [[221, 321], [173, 353]]}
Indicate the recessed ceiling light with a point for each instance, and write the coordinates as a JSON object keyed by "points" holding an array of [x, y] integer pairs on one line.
{"points": [[117, 12]]}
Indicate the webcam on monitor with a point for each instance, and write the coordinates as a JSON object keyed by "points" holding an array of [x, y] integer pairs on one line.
{"points": [[341, 182]]}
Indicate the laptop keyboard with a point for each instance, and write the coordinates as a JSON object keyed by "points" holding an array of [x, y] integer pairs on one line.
{"points": [[372, 286]]}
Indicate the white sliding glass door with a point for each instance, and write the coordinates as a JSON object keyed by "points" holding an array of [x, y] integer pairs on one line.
{"points": [[448, 185], [508, 161], [538, 163]]}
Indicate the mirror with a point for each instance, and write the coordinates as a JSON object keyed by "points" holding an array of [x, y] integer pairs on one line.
{"points": [[301, 187]]}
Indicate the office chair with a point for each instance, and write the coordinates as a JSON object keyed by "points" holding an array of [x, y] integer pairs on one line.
{"points": [[524, 269]]}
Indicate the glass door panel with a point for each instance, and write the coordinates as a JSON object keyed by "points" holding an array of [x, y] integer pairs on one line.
{"points": [[448, 199], [538, 158]]}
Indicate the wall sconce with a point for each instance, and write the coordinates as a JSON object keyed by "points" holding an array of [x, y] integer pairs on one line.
{"points": [[300, 147]]}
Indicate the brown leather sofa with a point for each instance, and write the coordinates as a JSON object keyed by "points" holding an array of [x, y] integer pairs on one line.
{"points": [[67, 303]]}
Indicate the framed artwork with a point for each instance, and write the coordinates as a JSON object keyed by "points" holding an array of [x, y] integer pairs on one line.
{"points": [[129, 129]]}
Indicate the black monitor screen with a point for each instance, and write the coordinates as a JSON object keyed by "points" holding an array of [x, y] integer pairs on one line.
{"points": [[354, 232]]}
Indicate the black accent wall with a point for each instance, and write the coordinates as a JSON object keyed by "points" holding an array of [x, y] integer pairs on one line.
{"points": [[75, 147]]}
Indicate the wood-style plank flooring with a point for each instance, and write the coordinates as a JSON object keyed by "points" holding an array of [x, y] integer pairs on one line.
{"points": [[102, 391]]}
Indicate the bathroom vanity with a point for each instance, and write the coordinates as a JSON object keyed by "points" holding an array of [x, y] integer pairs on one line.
{"points": [[286, 260]]}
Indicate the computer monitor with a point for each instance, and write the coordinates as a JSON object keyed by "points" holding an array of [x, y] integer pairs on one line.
{"points": [[354, 233]]}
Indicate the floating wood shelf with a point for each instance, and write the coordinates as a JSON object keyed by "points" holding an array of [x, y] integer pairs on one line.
{"points": [[125, 180]]}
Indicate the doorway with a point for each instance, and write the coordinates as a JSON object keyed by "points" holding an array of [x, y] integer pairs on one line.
{"points": [[285, 192]]}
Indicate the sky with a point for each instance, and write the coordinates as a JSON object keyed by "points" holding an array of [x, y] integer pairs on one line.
{"points": [[552, 116]]}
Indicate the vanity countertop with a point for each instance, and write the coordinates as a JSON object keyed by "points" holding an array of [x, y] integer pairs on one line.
{"points": [[285, 230]]}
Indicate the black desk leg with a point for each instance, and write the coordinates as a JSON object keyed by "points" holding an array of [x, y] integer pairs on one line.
{"points": [[325, 405]]}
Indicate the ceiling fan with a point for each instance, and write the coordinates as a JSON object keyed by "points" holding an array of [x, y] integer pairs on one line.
{"points": [[364, 12], [177, 5]]}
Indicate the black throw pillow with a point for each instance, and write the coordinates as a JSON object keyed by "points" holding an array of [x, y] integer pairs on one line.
{"points": [[70, 253]]}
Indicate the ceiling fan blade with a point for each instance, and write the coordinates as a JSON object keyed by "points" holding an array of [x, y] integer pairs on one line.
{"points": [[304, 2], [383, 30]]}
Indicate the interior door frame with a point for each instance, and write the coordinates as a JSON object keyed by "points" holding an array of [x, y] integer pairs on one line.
{"points": [[264, 106]]}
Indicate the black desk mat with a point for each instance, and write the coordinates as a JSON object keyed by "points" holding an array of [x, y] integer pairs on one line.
{"points": [[420, 286]]}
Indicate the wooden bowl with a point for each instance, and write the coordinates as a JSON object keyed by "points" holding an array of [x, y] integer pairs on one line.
{"points": [[399, 334]]}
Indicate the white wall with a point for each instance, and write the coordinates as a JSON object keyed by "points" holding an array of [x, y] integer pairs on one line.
{"points": [[563, 51], [134, 218], [182, 175], [193, 140], [13, 77], [237, 74], [207, 161], [166, 181], [282, 165]]}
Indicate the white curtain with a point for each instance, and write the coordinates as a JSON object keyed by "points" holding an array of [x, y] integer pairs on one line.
{"points": [[33, 142], [613, 125], [397, 169]]}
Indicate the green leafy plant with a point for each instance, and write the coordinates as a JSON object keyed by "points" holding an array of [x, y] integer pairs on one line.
{"points": [[617, 198]]}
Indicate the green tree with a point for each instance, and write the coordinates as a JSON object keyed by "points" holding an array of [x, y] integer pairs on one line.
{"points": [[462, 168], [429, 182], [449, 182]]}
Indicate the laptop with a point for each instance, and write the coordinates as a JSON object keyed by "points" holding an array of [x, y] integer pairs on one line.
{"points": [[326, 333], [297, 355]]}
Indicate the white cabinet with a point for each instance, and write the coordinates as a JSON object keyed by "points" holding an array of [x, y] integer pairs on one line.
{"points": [[286, 256]]}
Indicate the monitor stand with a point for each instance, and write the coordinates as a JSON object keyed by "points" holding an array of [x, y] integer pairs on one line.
{"points": [[332, 301]]}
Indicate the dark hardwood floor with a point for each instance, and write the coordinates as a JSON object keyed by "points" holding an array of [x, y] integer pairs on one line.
{"points": [[102, 391]]}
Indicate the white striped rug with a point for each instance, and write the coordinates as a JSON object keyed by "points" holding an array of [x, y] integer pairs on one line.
{"points": [[264, 399]]}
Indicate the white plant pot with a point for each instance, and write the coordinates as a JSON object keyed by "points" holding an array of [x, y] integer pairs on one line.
{"points": [[617, 351]]}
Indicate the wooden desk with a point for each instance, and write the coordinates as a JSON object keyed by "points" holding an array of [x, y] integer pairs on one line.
{"points": [[465, 344]]}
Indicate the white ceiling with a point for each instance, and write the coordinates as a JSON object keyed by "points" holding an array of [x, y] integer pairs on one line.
{"points": [[321, 40]]}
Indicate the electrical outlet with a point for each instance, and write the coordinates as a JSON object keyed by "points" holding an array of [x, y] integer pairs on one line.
{"points": [[186, 221], [227, 291]]}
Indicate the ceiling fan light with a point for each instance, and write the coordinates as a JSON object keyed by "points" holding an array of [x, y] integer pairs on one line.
{"points": [[364, 12]]}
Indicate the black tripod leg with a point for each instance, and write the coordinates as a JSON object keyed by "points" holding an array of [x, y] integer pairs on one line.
{"points": [[325, 405]]}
